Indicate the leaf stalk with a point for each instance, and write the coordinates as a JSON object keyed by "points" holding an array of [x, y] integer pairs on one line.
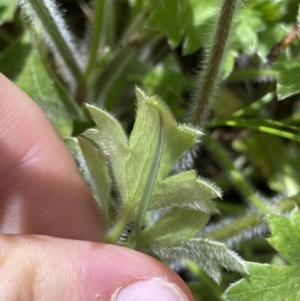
{"points": [[46, 16], [209, 77], [147, 193], [236, 176]]}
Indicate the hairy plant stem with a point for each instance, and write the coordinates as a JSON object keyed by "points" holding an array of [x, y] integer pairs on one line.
{"points": [[208, 78], [148, 189], [120, 58], [98, 25], [237, 178], [114, 236], [232, 232], [48, 19], [136, 23], [226, 232], [109, 74], [97, 30]]}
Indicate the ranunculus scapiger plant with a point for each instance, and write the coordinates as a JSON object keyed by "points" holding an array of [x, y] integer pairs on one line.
{"points": [[142, 169]]}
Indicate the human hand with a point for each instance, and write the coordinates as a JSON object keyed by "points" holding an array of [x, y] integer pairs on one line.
{"points": [[50, 229]]}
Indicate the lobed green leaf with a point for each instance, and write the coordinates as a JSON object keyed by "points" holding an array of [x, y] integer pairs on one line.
{"points": [[131, 159], [270, 282], [287, 83], [185, 190], [140, 165], [96, 163], [266, 282], [209, 255], [175, 226], [285, 236]]}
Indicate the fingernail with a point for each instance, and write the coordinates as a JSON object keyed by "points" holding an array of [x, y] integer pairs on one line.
{"points": [[149, 290]]}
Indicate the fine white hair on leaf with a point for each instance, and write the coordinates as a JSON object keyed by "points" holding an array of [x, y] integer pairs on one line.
{"points": [[250, 226], [187, 160], [211, 186], [210, 255]]}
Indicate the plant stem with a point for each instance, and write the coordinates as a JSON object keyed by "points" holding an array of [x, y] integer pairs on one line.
{"points": [[120, 58], [96, 35], [86, 9], [98, 25], [110, 72], [208, 78], [237, 178], [148, 189], [226, 232], [255, 106], [265, 126], [51, 24], [237, 230], [136, 23], [115, 234]]}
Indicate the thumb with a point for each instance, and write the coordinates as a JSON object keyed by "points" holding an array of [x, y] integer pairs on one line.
{"points": [[34, 267]]}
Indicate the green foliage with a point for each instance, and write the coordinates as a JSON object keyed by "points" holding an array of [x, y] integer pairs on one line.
{"points": [[100, 180], [139, 167], [24, 64], [270, 282], [49, 22], [163, 19], [286, 84], [140, 164], [7, 10]]}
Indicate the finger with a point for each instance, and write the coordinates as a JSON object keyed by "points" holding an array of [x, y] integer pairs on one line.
{"points": [[45, 268], [41, 190]]}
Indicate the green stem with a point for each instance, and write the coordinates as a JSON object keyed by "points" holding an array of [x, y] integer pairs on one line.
{"points": [[52, 26], [147, 193], [96, 35], [136, 23], [115, 234], [265, 126], [255, 106], [236, 226], [108, 75], [94, 46], [208, 79], [237, 178]]}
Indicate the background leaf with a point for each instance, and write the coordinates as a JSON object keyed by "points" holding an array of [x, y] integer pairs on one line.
{"points": [[7, 10], [23, 64], [269, 282], [288, 78], [163, 19], [266, 282]]}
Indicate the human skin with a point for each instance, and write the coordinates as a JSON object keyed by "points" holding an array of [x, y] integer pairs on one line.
{"points": [[50, 228]]}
